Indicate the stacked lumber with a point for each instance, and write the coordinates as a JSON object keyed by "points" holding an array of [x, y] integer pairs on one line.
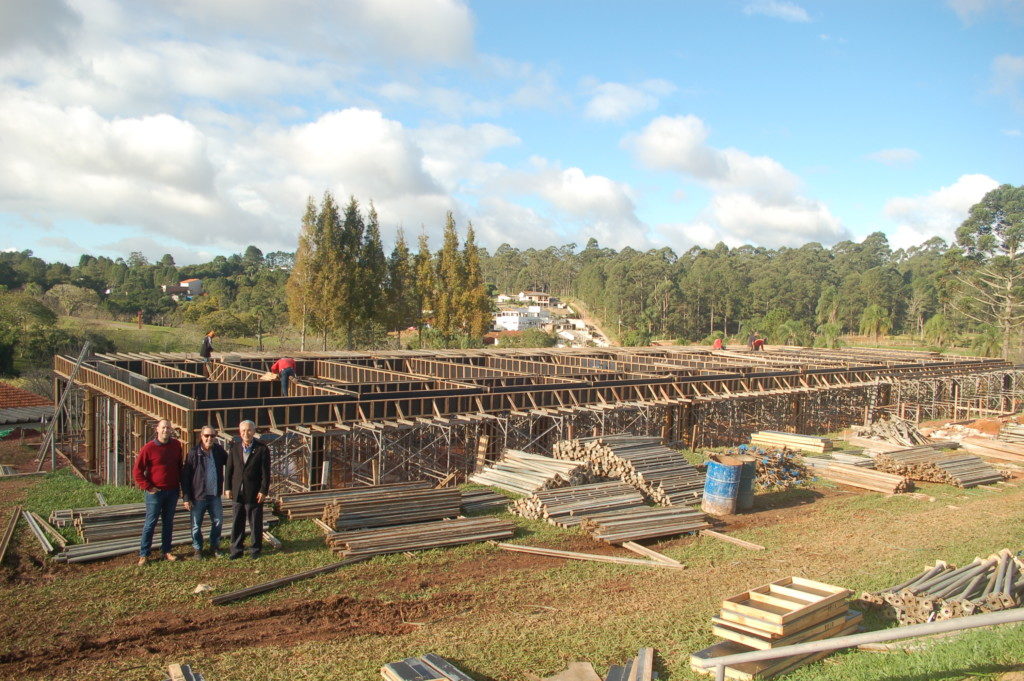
{"points": [[993, 449], [524, 473], [374, 507], [107, 523], [931, 465], [479, 500], [567, 506], [783, 613], [419, 536], [311, 504], [640, 668], [429, 667], [803, 443], [944, 592], [893, 430], [777, 469], [661, 474], [864, 478], [644, 522]]}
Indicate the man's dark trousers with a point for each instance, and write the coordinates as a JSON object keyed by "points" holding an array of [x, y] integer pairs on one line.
{"points": [[253, 515]]}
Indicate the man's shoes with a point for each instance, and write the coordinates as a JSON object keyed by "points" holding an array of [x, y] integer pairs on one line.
{"points": [[198, 554], [215, 553], [170, 557], [235, 556], [143, 560]]}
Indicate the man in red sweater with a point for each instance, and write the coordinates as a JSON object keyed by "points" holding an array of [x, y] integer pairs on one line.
{"points": [[285, 368], [157, 472]]}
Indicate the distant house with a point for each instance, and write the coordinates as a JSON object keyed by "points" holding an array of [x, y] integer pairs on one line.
{"points": [[535, 297], [504, 298], [521, 318], [185, 290]]}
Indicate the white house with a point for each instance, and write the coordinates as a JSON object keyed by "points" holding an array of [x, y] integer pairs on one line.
{"points": [[521, 318]]}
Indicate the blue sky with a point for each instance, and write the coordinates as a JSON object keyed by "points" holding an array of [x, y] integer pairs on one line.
{"points": [[200, 126]]}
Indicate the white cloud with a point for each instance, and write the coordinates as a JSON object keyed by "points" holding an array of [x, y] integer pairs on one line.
{"points": [[779, 9], [919, 218], [617, 102], [42, 24], [756, 198], [679, 143], [1008, 77], [968, 10], [894, 157], [1013, 132], [454, 155]]}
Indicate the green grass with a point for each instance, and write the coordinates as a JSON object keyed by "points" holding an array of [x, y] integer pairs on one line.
{"points": [[508, 613]]}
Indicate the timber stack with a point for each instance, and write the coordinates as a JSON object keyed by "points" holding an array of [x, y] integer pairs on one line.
{"points": [[567, 506], [429, 667], [892, 430], [375, 507], [783, 613], [943, 592], [864, 478], [931, 465], [802, 443], [311, 504], [994, 449], [524, 473], [418, 536], [661, 474], [480, 500], [644, 522]]}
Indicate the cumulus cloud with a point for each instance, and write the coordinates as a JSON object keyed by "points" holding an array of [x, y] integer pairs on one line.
{"points": [[968, 10], [455, 155], [779, 9], [1008, 77], [617, 101], [756, 199], [42, 24], [894, 157], [919, 218]]}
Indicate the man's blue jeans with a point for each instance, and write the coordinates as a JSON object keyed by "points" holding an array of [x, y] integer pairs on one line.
{"points": [[285, 375], [212, 505], [159, 504]]}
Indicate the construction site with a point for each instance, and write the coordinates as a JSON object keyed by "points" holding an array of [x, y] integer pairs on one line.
{"points": [[598, 514], [372, 417]]}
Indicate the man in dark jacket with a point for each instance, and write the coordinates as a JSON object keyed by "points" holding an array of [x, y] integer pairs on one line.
{"points": [[248, 481], [157, 471], [202, 483], [206, 351]]}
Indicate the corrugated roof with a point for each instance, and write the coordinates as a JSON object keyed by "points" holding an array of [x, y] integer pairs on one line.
{"points": [[25, 414]]}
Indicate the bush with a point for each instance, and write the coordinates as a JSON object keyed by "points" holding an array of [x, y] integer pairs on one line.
{"points": [[636, 338]]}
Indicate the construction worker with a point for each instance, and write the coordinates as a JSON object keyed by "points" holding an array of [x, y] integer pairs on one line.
{"points": [[285, 369]]}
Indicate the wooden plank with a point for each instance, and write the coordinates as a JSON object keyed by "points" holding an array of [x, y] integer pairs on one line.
{"points": [[732, 540], [824, 629], [572, 555], [774, 630], [12, 522], [650, 553]]}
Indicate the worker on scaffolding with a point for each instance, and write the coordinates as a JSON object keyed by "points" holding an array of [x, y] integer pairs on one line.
{"points": [[206, 351], [285, 369]]}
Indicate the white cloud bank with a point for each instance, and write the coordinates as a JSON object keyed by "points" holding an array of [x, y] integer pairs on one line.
{"points": [[755, 199], [779, 9], [894, 157], [919, 218], [618, 102]]}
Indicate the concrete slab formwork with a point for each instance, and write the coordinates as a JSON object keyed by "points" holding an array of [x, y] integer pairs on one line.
{"points": [[379, 416]]}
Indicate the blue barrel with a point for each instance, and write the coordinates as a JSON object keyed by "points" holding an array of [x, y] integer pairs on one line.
{"points": [[745, 497], [721, 487]]}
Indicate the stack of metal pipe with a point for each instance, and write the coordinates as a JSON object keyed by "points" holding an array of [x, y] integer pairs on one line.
{"points": [[418, 536], [645, 522], [476, 500], [311, 504], [567, 507], [857, 476], [661, 474], [525, 473], [932, 465], [943, 592], [379, 508]]}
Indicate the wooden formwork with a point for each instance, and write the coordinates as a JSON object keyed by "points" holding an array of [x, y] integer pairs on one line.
{"points": [[354, 417]]}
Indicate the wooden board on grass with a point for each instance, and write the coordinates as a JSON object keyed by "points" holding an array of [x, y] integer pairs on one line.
{"points": [[782, 602], [825, 629]]}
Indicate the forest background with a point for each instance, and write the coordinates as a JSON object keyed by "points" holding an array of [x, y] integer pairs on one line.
{"points": [[341, 289]]}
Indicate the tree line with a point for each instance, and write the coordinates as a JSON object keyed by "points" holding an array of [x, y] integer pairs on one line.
{"points": [[340, 289]]}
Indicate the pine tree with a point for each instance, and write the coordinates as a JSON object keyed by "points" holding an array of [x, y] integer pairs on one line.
{"points": [[425, 281], [373, 271], [476, 303], [403, 309], [347, 308], [449, 315], [330, 286], [299, 289]]}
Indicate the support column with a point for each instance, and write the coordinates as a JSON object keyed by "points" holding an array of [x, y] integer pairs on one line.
{"points": [[89, 428]]}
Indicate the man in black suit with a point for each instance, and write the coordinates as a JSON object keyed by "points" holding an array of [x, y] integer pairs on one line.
{"points": [[248, 483]]}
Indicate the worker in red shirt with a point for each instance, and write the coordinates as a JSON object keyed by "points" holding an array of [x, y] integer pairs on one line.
{"points": [[157, 472], [285, 369]]}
